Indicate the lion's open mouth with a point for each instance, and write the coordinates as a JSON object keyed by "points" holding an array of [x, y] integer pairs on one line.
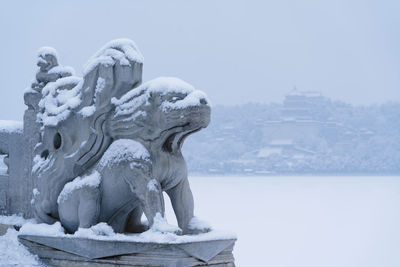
{"points": [[167, 146], [183, 137], [175, 140]]}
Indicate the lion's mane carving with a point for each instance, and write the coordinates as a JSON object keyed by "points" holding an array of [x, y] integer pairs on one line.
{"points": [[109, 146]]}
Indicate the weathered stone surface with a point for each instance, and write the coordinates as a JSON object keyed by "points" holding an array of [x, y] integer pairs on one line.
{"points": [[3, 194], [104, 148], [61, 252], [71, 122], [14, 189], [126, 150]]}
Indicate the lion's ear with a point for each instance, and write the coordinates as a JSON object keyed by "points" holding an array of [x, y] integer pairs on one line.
{"points": [[111, 72]]}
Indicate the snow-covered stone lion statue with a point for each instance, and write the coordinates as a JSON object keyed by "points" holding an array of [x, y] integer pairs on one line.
{"points": [[109, 146]]}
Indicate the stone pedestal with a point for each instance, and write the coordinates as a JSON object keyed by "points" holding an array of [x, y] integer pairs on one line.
{"points": [[65, 251]]}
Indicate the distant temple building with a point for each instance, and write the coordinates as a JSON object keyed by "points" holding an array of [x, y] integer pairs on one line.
{"points": [[298, 131], [299, 105]]}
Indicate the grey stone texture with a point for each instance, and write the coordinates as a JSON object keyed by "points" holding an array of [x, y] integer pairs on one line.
{"points": [[14, 191], [3, 194], [150, 133], [104, 148], [69, 165], [84, 252], [18, 143]]}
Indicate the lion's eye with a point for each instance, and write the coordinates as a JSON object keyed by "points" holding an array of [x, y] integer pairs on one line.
{"points": [[57, 141]]}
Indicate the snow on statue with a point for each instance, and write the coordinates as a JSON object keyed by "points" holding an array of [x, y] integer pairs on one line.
{"points": [[109, 146]]}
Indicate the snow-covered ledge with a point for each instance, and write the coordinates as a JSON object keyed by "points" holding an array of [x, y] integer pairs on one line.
{"points": [[154, 247]]}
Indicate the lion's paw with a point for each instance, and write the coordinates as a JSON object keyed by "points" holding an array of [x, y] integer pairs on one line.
{"points": [[197, 226], [160, 224]]}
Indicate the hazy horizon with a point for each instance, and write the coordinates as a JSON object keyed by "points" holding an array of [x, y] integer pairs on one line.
{"points": [[236, 52]]}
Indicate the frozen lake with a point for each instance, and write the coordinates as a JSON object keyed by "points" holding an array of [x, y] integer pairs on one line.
{"points": [[305, 221]]}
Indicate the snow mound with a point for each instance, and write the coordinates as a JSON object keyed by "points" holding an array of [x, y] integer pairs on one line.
{"points": [[168, 237], [168, 84], [91, 180], [193, 99], [59, 98], [15, 220], [47, 50], [122, 50], [197, 224], [62, 70], [161, 232], [87, 111], [160, 225], [135, 98], [100, 229], [13, 253], [11, 126], [124, 150], [42, 229]]}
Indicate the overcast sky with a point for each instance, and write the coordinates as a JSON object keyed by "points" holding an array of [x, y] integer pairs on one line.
{"points": [[236, 52]]}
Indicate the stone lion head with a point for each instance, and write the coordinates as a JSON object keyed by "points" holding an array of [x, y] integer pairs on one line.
{"points": [[162, 112]]}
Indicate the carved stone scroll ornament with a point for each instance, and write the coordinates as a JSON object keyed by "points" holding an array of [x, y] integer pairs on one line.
{"points": [[110, 146]]}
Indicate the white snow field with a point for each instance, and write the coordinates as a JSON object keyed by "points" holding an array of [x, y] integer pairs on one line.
{"points": [[305, 221], [299, 221]]}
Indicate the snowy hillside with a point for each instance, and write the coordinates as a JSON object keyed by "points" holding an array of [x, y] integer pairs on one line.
{"points": [[304, 135]]}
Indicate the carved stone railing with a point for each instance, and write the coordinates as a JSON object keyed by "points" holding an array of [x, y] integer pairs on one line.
{"points": [[15, 195]]}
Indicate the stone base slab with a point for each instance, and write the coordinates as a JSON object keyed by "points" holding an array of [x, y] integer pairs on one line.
{"points": [[61, 251]]}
